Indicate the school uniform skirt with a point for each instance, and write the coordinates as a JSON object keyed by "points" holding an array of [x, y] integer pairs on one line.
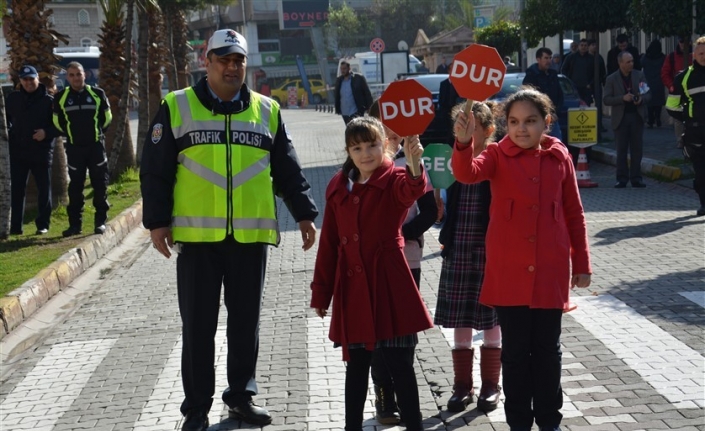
{"points": [[463, 268]]}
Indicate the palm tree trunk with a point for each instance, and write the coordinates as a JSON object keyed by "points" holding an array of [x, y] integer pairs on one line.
{"points": [[122, 125], [144, 114], [180, 47], [157, 56], [171, 62], [5, 202]]}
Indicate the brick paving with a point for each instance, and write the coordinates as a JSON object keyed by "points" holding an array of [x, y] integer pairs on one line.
{"points": [[633, 350]]}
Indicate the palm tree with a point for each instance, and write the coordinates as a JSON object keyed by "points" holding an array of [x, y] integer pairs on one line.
{"points": [[32, 41], [148, 54], [116, 80]]}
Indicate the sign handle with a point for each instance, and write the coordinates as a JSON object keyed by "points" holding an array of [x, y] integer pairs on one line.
{"points": [[468, 107], [413, 160]]}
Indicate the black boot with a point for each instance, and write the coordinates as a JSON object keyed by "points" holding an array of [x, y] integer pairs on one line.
{"points": [[385, 406]]}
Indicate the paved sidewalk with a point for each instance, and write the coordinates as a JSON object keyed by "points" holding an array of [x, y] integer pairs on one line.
{"points": [[633, 350]]}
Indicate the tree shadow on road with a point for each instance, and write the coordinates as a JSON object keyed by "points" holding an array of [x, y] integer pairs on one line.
{"points": [[648, 230]]}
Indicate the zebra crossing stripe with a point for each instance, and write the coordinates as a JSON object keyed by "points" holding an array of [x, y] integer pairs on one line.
{"points": [[672, 368], [162, 409], [49, 390]]}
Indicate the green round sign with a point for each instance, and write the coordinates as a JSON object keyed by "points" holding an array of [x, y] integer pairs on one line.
{"points": [[436, 159]]}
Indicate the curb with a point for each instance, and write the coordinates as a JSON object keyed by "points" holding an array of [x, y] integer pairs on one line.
{"points": [[648, 166], [22, 302]]}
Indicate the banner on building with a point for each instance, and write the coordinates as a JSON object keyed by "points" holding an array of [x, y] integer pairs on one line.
{"points": [[297, 14]]}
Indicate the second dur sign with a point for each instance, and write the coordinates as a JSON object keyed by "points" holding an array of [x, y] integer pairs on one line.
{"points": [[478, 72]]}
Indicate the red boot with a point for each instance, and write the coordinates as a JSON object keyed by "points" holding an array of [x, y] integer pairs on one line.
{"points": [[462, 389], [490, 367]]}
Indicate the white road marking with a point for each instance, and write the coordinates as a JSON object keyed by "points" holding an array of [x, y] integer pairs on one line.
{"points": [[672, 368], [54, 383], [697, 297]]}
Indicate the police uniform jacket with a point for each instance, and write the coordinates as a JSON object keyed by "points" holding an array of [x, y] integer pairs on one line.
{"points": [[689, 109], [161, 150], [25, 113], [75, 115]]}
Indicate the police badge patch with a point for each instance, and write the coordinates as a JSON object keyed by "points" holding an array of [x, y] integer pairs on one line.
{"points": [[157, 133]]}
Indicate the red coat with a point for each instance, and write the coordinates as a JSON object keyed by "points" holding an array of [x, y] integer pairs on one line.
{"points": [[537, 226], [360, 264]]}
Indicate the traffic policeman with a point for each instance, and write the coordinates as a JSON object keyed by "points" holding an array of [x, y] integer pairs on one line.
{"points": [[687, 104], [82, 114], [216, 156]]}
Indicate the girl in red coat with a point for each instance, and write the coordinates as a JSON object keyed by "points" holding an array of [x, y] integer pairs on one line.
{"points": [[537, 249], [360, 267]]}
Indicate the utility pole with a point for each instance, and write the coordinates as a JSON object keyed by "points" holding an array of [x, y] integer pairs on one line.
{"points": [[522, 32]]}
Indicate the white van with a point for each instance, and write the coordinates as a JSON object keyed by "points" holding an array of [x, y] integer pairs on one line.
{"points": [[88, 56], [365, 63]]}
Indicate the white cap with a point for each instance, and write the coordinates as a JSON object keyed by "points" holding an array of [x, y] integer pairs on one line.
{"points": [[227, 41]]}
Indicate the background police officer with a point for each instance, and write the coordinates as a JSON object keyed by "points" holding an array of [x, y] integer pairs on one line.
{"points": [[687, 103], [32, 136], [82, 113], [215, 151]]}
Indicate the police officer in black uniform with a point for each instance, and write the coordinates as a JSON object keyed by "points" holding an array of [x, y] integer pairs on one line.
{"points": [[82, 113], [32, 137], [687, 104]]}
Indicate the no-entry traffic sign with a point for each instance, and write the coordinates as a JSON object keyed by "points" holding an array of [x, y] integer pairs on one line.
{"points": [[478, 72], [377, 45], [407, 107]]}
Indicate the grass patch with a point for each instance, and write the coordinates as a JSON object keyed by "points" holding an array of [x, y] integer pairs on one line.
{"points": [[24, 255]]}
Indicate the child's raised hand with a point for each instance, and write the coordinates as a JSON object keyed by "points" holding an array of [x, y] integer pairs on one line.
{"points": [[580, 280], [464, 127]]}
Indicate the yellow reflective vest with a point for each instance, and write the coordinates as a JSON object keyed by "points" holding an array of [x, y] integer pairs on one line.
{"points": [[223, 182]]}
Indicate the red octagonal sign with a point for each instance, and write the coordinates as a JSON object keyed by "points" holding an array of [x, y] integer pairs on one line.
{"points": [[478, 72], [406, 107]]}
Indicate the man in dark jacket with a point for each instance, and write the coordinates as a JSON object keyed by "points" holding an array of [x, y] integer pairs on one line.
{"points": [[545, 79], [82, 113], [622, 45], [579, 68], [32, 136], [352, 95]]}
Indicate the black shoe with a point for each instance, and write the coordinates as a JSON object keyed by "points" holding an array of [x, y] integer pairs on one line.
{"points": [[42, 231], [620, 185], [99, 230], [15, 231], [196, 420], [701, 211], [638, 184], [71, 231], [250, 413]]}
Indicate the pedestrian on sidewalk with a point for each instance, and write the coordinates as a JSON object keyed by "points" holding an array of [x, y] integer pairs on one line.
{"points": [[535, 207], [421, 216], [687, 104], [462, 272], [82, 114], [217, 154], [652, 63], [361, 268], [626, 91], [31, 134], [672, 66], [352, 94]]}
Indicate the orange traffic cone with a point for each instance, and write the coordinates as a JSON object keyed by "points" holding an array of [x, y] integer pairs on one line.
{"points": [[583, 171]]}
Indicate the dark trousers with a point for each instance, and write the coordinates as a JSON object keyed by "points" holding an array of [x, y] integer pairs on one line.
{"points": [[79, 159], [629, 137], [694, 140], [654, 115], [400, 363], [531, 365], [19, 175], [348, 118], [201, 270], [585, 95], [379, 372]]}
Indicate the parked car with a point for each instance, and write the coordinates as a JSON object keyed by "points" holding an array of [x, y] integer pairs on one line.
{"points": [[512, 82], [435, 132], [318, 88]]}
